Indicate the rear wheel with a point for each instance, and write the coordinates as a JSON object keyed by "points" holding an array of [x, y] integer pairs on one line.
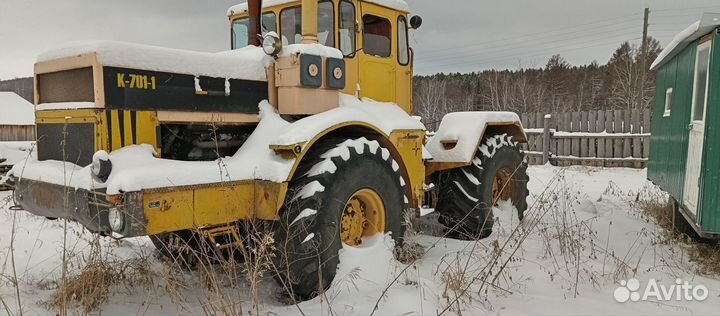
{"points": [[345, 192], [467, 195]]}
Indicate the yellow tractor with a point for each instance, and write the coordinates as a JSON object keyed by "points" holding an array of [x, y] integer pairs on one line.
{"points": [[305, 126]]}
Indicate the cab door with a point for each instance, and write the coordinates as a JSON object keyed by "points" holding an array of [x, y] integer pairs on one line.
{"points": [[697, 127], [404, 71], [377, 57]]}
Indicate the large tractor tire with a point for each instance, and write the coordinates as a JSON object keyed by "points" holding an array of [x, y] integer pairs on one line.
{"points": [[466, 196], [344, 192]]}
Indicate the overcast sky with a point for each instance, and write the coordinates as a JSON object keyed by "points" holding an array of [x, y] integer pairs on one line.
{"points": [[457, 35]]}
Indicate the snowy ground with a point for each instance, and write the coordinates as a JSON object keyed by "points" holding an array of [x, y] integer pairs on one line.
{"points": [[582, 235], [13, 152]]}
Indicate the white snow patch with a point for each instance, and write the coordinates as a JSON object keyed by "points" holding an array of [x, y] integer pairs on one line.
{"points": [[304, 213], [308, 238], [386, 116], [14, 152], [309, 190], [312, 49], [470, 177], [465, 192], [321, 167], [395, 165], [247, 63], [426, 211], [426, 155], [14, 110], [65, 106], [466, 128]]}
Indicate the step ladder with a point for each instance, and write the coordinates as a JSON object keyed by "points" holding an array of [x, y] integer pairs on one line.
{"points": [[231, 239]]}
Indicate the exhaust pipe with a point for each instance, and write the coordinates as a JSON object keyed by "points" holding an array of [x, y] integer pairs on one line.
{"points": [[309, 21], [254, 27]]}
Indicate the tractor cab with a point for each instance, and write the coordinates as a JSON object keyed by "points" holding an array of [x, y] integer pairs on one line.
{"points": [[372, 36]]}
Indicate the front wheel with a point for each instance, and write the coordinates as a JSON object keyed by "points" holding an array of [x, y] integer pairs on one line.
{"points": [[466, 196], [345, 192]]}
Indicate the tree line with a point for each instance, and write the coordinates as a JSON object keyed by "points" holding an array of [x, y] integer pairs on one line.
{"points": [[557, 87]]}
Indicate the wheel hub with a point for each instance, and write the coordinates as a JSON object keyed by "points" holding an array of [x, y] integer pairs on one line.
{"points": [[363, 216], [502, 190]]}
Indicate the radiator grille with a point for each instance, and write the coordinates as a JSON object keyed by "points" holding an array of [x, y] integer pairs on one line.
{"points": [[66, 142]]}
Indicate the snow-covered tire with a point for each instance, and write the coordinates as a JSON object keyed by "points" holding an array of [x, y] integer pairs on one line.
{"points": [[465, 195], [308, 234]]}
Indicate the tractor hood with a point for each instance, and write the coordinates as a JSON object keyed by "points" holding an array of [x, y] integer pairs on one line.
{"points": [[248, 63]]}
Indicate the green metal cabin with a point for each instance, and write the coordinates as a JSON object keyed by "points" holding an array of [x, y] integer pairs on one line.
{"points": [[685, 143]]}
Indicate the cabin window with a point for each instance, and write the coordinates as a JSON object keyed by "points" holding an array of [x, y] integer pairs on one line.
{"points": [[377, 36], [291, 25], [240, 29], [346, 29], [403, 47], [702, 65], [668, 101]]}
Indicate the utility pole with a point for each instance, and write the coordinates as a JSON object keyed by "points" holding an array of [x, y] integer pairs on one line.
{"points": [[644, 53]]}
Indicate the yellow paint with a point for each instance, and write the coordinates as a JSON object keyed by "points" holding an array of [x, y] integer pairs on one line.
{"points": [[409, 145], [405, 146], [145, 132], [189, 207], [375, 75], [168, 211]]}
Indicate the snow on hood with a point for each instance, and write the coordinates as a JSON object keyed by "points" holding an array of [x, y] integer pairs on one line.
{"points": [[705, 25], [247, 63], [135, 167], [312, 49], [385, 116]]}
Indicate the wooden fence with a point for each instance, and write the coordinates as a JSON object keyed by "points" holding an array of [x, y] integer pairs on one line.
{"points": [[17, 133], [617, 138]]}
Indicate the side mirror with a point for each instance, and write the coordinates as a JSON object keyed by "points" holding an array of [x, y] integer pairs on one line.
{"points": [[415, 22]]}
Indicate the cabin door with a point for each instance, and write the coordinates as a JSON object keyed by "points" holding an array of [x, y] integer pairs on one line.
{"points": [[697, 128], [377, 60]]}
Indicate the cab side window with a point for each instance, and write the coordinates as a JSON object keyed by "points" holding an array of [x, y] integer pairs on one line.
{"points": [[240, 29], [291, 25], [377, 36], [346, 28]]}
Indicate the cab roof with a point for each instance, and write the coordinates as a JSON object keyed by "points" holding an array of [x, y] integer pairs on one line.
{"points": [[399, 5]]}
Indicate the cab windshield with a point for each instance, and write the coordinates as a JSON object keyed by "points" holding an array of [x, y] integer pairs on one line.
{"points": [[290, 26], [240, 29]]}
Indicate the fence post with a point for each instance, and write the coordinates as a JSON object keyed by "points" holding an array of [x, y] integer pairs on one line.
{"points": [[546, 139]]}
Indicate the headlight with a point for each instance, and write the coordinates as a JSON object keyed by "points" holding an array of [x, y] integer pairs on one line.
{"points": [[116, 219], [271, 44], [101, 166]]}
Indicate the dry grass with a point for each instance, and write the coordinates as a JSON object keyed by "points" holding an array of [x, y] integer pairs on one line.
{"points": [[705, 253]]}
